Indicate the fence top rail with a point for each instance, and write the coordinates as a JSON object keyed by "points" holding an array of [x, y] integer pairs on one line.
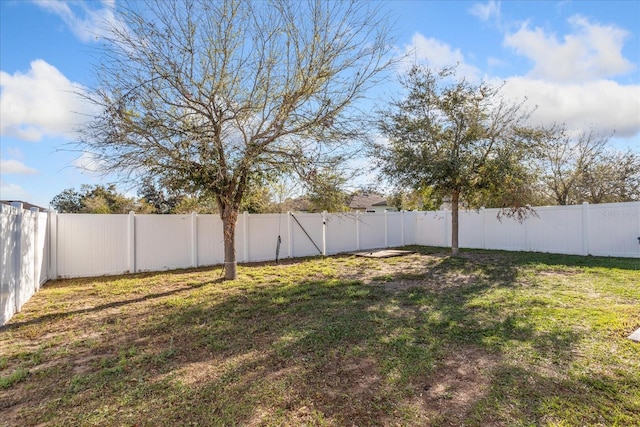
{"points": [[7, 209], [14, 210]]}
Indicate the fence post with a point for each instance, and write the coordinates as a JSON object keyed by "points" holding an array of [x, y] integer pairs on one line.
{"points": [[17, 278], [416, 221], [585, 228], [194, 239], [245, 238], [483, 214], [386, 229], [446, 229], [131, 230], [324, 233], [36, 258], [52, 274], [527, 245], [290, 234], [402, 228], [357, 230]]}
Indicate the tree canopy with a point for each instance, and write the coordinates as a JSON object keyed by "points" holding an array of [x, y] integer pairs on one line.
{"points": [[208, 96], [462, 140], [98, 199], [422, 199]]}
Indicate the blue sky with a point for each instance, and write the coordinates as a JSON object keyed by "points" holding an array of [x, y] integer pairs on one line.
{"points": [[578, 61]]}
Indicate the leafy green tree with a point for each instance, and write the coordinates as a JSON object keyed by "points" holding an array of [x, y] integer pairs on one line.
{"points": [[200, 204], [326, 192], [162, 200], [461, 139], [68, 201], [258, 199], [206, 95], [422, 199], [97, 199]]}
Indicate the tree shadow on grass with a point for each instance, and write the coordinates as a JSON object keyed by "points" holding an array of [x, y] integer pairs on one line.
{"points": [[329, 351], [532, 258], [535, 398], [98, 308]]}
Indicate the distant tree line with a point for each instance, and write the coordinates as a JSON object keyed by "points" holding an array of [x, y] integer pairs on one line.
{"points": [[327, 194], [568, 170], [98, 199]]}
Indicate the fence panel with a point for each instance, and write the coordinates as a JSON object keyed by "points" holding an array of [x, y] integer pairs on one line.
{"points": [[210, 243], [301, 244], [163, 242], [471, 233], [92, 245], [555, 229], [432, 228], [263, 236], [342, 233], [503, 234], [372, 227], [409, 228], [614, 229], [8, 261], [26, 269], [23, 257], [394, 229], [42, 248]]}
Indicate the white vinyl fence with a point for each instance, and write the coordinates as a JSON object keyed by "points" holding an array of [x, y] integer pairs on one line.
{"points": [[611, 229], [24, 262], [37, 247], [95, 245]]}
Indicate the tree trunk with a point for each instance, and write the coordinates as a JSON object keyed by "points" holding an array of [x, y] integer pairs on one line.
{"points": [[229, 218], [455, 196]]}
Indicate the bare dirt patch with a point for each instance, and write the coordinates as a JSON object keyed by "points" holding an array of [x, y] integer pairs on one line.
{"points": [[389, 253], [459, 382], [377, 270]]}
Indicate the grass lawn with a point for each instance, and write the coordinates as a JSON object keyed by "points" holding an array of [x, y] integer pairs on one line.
{"points": [[484, 339]]}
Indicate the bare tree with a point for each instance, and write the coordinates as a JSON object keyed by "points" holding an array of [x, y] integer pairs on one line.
{"points": [[584, 168], [206, 96], [563, 159], [612, 177]]}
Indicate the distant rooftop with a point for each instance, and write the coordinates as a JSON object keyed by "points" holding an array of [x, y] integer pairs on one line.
{"points": [[366, 201]]}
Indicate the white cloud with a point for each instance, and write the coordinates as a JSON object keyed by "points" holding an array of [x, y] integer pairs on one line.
{"points": [[486, 11], [571, 78], [42, 102], [12, 192], [605, 104], [15, 167], [16, 153], [493, 62], [85, 23], [593, 51], [87, 162], [438, 54]]}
